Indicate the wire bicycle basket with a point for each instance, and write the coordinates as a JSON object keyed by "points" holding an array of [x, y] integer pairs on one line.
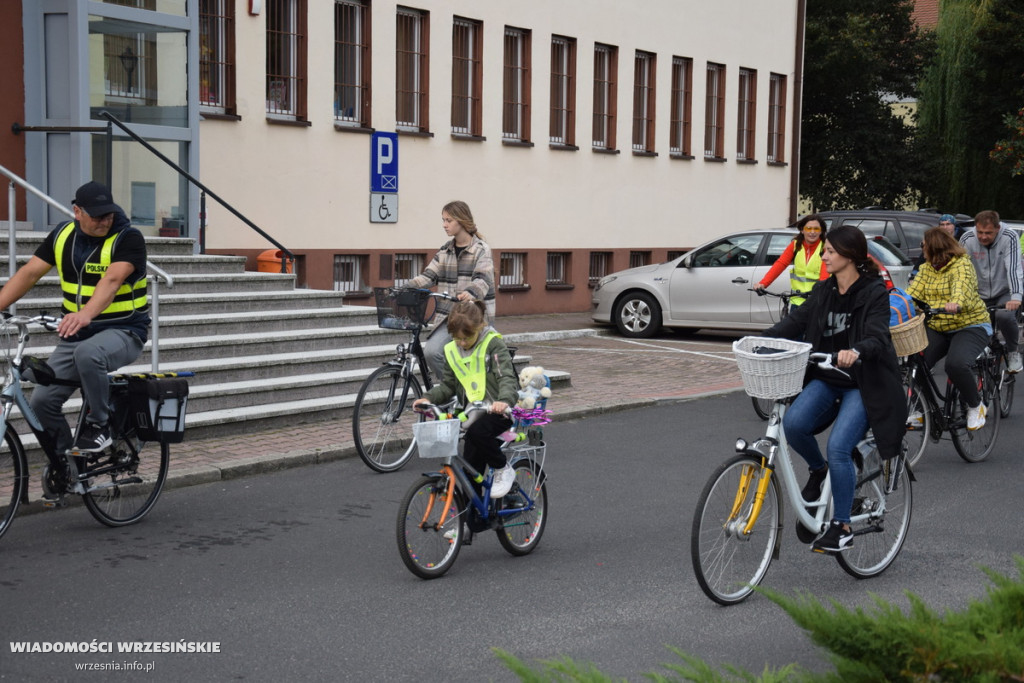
{"points": [[401, 309]]}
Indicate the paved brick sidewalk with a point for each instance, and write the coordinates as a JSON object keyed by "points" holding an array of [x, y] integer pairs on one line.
{"points": [[608, 373]]}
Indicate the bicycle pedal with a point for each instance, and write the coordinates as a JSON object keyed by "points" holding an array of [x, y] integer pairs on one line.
{"points": [[54, 503]]}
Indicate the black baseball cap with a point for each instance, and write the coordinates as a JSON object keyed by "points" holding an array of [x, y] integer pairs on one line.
{"points": [[95, 199]]}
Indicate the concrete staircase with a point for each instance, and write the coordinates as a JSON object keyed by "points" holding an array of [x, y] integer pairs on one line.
{"points": [[265, 354]]}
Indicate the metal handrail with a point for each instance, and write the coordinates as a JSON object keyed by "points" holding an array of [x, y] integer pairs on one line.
{"points": [[12, 244], [286, 254]]}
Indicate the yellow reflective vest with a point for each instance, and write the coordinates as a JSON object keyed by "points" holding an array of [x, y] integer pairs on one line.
{"points": [[78, 286], [471, 370], [806, 271]]}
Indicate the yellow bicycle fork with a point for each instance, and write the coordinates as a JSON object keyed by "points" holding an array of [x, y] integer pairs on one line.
{"points": [[762, 474]]}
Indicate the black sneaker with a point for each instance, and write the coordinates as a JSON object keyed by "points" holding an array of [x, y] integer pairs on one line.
{"points": [[812, 490], [834, 540], [92, 438]]}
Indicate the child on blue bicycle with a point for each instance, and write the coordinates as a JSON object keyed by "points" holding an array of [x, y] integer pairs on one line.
{"points": [[478, 367]]}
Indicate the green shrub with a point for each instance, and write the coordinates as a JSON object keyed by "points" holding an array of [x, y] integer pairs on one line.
{"points": [[983, 643]]}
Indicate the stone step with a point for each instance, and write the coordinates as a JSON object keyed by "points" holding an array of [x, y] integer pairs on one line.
{"points": [[28, 241], [191, 264], [276, 320]]}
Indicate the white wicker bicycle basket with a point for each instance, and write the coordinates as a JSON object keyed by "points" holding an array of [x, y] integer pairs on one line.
{"points": [[437, 438], [777, 371]]}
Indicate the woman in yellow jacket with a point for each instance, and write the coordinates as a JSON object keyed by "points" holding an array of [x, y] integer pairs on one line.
{"points": [[947, 280], [804, 253]]}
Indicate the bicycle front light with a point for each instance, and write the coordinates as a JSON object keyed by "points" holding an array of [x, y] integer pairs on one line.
{"points": [[741, 445]]}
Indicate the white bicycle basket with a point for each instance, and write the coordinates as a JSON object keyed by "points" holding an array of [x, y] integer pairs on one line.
{"points": [[771, 368], [437, 438]]}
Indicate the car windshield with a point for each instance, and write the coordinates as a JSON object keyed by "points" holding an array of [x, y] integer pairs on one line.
{"points": [[884, 251]]}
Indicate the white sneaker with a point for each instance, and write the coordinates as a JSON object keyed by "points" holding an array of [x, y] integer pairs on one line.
{"points": [[503, 480], [976, 417], [1014, 363], [915, 420]]}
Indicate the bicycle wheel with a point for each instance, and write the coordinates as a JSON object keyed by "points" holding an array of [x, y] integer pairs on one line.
{"points": [[428, 544], [520, 533], [382, 419], [129, 490], [763, 406], [13, 477], [879, 538], [1006, 382], [727, 563], [919, 424], [975, 446]]}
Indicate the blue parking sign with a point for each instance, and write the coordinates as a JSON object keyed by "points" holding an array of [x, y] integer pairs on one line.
{"points": [[384, 162]]}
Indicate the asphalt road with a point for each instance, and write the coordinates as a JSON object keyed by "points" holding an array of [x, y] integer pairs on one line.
{"points": [[296, 575]]}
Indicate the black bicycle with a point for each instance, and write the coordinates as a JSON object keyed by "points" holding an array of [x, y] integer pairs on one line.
{"points": [[382, 417], [1007, 379], [930, 412]]}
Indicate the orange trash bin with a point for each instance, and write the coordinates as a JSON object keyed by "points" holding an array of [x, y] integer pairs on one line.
{"points": [[270, 262]]}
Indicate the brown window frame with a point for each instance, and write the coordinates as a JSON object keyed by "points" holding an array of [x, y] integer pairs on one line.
{"points": [[606, 66], [217, 57], [516, 85], [681, 109], [467, 77], [558, 270], [746, 116], [714, 113], [412, 70], [777, 86], [645, 69], [287, 78], [347, 46], [562, 129]]}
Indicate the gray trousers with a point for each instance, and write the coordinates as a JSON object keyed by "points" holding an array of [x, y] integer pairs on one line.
{"points": [[1006, 322], [87, 362], [433, 349]]}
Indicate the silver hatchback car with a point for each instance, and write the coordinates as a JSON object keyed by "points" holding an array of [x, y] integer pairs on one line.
{"points": [[709, 287]]}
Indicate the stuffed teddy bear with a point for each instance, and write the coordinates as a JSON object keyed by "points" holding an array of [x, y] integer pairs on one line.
{"points": [[533, 387]]}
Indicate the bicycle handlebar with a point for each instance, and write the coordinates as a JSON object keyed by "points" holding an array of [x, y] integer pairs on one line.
{"points": [[780, 295], [45, 319], [475, 406]]}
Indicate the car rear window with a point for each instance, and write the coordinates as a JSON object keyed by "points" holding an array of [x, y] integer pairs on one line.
{"points": [[887, 253], [914, 231]]}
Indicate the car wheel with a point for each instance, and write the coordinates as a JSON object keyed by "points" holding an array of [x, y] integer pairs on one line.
{"points": [[638, 315]]}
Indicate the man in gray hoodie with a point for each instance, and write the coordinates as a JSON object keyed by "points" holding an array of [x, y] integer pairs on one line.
{"points": [[995, 252]]}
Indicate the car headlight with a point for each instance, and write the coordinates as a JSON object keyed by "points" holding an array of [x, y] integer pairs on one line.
{"points": [[606, 280]]}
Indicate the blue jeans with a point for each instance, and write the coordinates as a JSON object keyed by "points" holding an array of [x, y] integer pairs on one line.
{"points": [[811, 412]]}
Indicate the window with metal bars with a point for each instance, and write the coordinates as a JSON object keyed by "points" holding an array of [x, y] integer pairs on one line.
{"points": [[563, 91], [349, 270], [714, 112], [606, 58], [746, 115], [639, 258], [217, 56], [412, 68], [600, 265], [558, 268], [515, 120], [467, 77], [286, 59], [352, 63], [407, 266], [644, 68], [777, 118], [681, 109], [512, 269]]}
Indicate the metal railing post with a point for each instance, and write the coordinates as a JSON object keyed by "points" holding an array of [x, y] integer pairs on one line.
{"points": [[12, 242]]}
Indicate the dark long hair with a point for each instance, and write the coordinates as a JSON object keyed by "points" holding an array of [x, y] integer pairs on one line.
{"points": [[800, 226], [849, 242]]}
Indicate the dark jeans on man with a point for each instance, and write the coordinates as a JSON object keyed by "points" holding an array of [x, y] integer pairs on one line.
{"points": [[1006, 322]]}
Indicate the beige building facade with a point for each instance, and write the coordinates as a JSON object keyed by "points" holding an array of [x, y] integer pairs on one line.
{"points": [[607, 134]]}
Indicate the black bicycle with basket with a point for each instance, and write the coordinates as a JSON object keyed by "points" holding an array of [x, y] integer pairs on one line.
{"points": [[382, 417]]}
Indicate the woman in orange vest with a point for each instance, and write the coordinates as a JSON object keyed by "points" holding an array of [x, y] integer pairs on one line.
{"points": [[804, 253]]}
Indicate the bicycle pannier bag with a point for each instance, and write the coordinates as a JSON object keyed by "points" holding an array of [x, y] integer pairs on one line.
{"points": [[158, 407]]}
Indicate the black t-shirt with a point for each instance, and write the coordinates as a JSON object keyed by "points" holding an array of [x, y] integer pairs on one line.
{"points": [[130, 247], [836, 334]]}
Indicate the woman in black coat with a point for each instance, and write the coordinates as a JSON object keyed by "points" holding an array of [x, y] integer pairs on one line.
{"points": [[847, 314]]}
